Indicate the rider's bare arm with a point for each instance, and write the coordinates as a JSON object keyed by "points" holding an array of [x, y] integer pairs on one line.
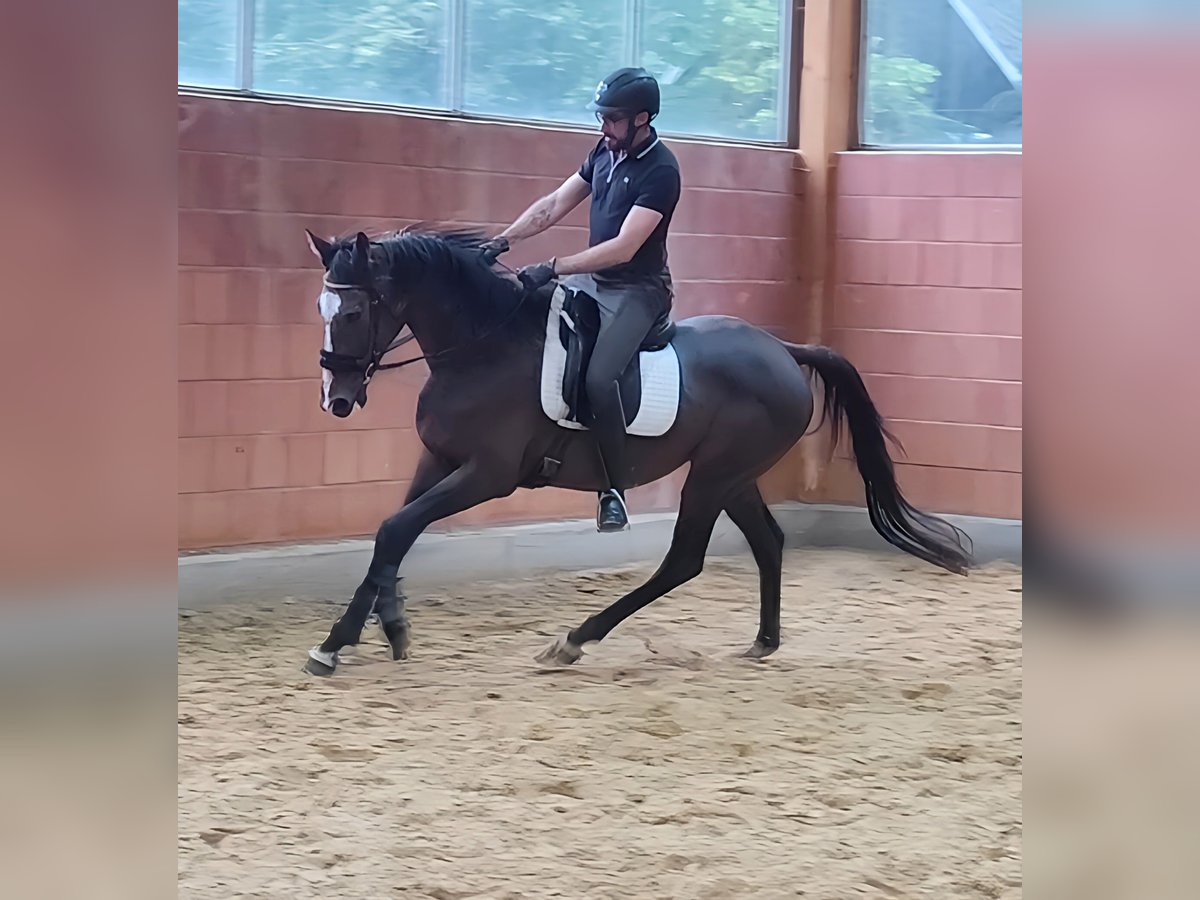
{"points": [[549, 210], [634, 230]]}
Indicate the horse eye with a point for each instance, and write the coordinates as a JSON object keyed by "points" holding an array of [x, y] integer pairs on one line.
{"points": [[352, 315]]}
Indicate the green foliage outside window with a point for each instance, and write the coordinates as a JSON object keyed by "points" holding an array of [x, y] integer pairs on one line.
{"points": [[718, 60]]}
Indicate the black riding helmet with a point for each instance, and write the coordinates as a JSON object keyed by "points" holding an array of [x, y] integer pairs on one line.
{"points": [[628, 90]]}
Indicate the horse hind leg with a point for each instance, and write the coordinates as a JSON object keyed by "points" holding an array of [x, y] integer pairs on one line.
{"points": [[699, 506], [750, 514]]}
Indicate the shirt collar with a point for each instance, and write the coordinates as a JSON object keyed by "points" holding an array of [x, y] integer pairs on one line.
{"points": [[651, 141]]}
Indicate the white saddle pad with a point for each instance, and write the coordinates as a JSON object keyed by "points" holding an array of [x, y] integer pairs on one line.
{"points": [[659, 371]]}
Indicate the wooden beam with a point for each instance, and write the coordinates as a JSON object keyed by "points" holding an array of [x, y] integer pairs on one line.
{"points": [[828, 125]]}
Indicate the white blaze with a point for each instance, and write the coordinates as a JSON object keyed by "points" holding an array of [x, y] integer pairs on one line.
{"points": [[329, 303]]}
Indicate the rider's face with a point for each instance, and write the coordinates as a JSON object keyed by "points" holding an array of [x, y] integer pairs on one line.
{"points": [[616, 127]]}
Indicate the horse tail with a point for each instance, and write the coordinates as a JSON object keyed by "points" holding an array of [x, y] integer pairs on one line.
{"points": [[921, 534]]}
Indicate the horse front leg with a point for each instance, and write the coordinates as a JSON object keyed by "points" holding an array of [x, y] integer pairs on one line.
{"points": [[462, 489], [389, 603]]}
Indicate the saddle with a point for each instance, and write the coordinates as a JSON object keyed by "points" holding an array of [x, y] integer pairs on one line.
{"points": [[579, 328], [650, 386]]}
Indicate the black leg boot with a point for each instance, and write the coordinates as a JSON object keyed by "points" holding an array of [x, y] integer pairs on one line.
{"points": [[612, 514]]}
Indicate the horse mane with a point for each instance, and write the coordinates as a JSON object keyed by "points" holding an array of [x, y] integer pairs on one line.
{"points": [[446, 265]]}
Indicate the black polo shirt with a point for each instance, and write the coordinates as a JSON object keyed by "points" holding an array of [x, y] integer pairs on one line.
{"points": [[647, 177]]}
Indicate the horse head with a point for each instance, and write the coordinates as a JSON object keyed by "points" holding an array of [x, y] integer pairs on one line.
{"points": [[362, 318], [438, 283]]}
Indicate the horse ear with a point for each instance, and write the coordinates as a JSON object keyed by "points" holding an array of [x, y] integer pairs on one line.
{"points": [[322, 250], [362, 253]]}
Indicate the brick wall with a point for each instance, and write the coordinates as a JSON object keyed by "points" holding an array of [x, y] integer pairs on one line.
{"points": [[928, 306], [258, 460]]}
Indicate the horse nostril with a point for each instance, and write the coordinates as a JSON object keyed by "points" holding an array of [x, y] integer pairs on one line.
{"points": [[340, 407]]}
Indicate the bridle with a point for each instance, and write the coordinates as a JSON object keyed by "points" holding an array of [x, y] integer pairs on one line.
{"points": [[372, 361]]}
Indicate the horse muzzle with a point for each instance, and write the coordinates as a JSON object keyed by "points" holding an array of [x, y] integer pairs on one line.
{"points": [[342, 402], [341, 394]]}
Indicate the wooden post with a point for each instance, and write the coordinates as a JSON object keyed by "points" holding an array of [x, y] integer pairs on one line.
{"points": [[828, 124]]}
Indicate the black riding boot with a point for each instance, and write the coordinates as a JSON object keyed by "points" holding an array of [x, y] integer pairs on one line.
{"points": [[609, 428]]}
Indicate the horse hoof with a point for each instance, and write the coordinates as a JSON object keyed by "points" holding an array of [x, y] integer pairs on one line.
{"points": [[400, 644], [759, 650], [320, 664], [561, 653], [398, 640]]}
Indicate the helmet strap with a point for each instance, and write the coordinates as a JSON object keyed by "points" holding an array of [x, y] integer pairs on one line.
{"points": [[633, 131]]}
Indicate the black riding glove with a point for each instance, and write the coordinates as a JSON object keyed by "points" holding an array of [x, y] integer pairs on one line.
{"points": [[493, 248], [534, 277]]}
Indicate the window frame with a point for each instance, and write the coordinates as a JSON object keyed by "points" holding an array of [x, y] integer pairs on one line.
{"points": [[791, 42]]}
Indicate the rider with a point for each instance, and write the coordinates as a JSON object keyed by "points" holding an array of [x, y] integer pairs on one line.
{"points": [[634, 183]]}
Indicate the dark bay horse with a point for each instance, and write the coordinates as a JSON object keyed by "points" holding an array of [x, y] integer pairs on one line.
{"points": [[743, 401]]}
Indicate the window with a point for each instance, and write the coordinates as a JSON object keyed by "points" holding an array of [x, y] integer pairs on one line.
{"points": [[941, 73], [208, 42], [527, 59], [721, 63], [374, 51]]}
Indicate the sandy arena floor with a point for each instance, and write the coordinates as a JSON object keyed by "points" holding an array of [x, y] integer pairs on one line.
{"points": [[877, 754]]}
